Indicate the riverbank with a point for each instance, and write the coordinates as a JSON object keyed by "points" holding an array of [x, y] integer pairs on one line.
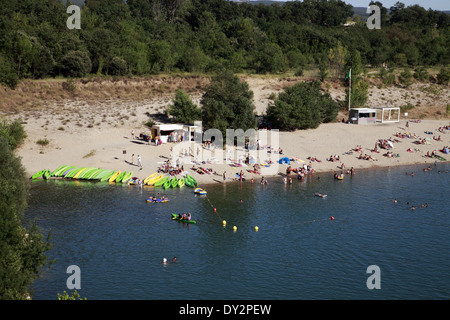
{"points": [[91, 125], [115, 148]]}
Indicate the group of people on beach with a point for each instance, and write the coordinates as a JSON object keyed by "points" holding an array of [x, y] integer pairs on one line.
{"points": [[406, 135], [172, 170], [176, 136], [366, 157]]}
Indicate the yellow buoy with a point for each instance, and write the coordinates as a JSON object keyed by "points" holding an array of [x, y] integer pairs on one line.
{"points": [[234, 228], [224, 223], [256, 228]]}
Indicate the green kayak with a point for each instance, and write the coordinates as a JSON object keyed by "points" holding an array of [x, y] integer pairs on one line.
{"points": [[174, 182], [167, 184], [102, 174], [127, 177], [109, 175], [191, 179], [121, 176], [86, 173], [66, 171], [161, 182], [73, 172], [175, 217], [38, 174], [55, 173], [189, 183], [46, 174], [94, 174], [181, 183]]}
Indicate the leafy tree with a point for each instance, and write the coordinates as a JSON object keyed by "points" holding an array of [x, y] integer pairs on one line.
{"points": [[323, 65], [161, 56], [76, 64], [183, 109], [353, 62], [337, 57], [117, 67], [194, 59], [270, 59], [22, 250], [302, 106], [359, 93], [227, 104], [8, 76]]}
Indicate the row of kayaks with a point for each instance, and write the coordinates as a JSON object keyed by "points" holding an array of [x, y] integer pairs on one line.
{"points": [[174, 182], [86, 173], [117, 176]]}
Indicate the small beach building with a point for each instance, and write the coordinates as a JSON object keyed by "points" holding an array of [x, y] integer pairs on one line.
{"points": [[165, 130], [388, 114], [362, 116]]}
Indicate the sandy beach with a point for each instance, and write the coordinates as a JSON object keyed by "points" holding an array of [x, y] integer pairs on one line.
{"points": [[89, 132], [104, 148]]}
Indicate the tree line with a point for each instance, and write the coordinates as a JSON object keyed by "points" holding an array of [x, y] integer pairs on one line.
{"points": [[140, 37], [23, 248]]}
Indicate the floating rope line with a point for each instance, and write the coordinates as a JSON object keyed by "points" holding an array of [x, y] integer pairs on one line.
{"points": [[276, 226]]}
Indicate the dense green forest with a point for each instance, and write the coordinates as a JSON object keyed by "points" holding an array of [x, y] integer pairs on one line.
{"points": [[140, 37]]}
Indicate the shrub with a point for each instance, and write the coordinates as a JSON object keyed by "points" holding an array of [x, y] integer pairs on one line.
{"points": [[405, 78], [118, 67], [43, 142], [13, 133], [443, 76], [421, 74], [76, 63], [8, 76], [406, 107]]}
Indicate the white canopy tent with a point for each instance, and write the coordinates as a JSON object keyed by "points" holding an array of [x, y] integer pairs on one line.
{"points": [[388, 114]]}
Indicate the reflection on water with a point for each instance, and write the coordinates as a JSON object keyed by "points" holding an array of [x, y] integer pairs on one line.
{"points": [[119, 240]]}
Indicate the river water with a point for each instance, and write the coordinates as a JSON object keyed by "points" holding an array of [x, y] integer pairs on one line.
{"points": [[118, 240]]}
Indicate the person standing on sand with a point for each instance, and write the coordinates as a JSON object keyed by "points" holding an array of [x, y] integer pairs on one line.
{"points": [[139, 161], [224, 176], [132, 158]]}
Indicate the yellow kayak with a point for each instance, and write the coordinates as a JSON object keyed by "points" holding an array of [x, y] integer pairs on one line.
{"points": [[114, 176], [155, 180], [78, 173], [146, 180]]}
